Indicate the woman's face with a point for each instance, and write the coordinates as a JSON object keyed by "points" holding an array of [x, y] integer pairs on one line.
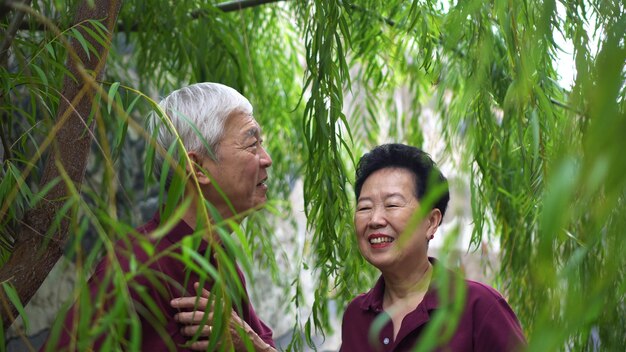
{"points": [[389, 232]]}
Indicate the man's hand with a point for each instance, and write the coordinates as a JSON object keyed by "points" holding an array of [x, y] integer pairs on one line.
{"points": [[192, 322]]}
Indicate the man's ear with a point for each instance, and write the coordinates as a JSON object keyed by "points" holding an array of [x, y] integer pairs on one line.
{"points": [[199, 168], [434, 220]]}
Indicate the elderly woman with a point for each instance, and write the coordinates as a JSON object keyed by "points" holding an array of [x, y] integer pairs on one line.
{"points": [[391, 183]]}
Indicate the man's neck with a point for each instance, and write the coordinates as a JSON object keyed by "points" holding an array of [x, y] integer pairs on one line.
{"points": [[192, 215]]}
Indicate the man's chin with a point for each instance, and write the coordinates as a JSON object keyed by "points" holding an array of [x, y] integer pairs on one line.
{"points": [[260, 201]]}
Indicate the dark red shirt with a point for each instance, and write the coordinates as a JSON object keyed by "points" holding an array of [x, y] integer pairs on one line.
{"points": [[487, 323], [151, 292]]}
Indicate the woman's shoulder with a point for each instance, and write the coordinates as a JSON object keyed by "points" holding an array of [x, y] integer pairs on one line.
{"points": [[363, 302], [475, 290], [496, 321], [479, 292], [482, 290], [486, 300], [358, 301]]}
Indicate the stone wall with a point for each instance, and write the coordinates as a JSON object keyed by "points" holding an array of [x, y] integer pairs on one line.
{"points": [[55, 291]]}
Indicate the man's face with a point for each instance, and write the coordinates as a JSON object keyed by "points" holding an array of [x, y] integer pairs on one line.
{"points": [[240, 171]]}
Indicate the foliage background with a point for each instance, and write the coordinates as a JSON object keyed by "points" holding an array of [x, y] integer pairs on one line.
{"points": [[546, 162]]}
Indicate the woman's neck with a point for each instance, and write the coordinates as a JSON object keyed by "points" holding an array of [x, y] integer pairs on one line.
{"points": [[404, 293], [401, 287]]}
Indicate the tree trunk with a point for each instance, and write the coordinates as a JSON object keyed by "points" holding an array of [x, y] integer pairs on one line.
{"points": [[34, 255]]}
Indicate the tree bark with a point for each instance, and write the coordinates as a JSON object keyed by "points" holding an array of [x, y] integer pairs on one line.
{"points": [[34, 255]]}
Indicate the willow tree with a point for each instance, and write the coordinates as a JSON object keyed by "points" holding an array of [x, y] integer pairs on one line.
{"points": [[544, 161]]}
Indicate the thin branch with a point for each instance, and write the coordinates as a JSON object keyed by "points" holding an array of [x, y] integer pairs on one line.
{"points": [[229, 6], [242, 4], [11, 31], [4, 9], [371, 13], [5, 144], [565, 106], [4, 57]]}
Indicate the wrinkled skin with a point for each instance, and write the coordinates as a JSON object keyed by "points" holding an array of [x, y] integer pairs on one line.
{"points": [[192, 322]]}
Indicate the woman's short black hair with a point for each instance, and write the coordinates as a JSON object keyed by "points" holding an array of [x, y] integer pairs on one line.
{"points": [[419, 163]]}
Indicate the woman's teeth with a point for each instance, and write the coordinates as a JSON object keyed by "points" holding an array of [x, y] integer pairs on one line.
{"points": [[380, 240]]}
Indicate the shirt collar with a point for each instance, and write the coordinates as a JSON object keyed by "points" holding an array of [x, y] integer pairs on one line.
{"points": [[373, 300]]}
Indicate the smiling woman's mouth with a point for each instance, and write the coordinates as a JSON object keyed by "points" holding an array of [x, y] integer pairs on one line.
{"points": [[380, 239]]}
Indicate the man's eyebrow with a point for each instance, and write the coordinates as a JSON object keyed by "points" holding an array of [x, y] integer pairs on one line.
{"points": [[253, 132]]}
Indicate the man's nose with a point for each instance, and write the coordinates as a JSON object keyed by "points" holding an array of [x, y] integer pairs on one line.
{"points": [[266, 159]]}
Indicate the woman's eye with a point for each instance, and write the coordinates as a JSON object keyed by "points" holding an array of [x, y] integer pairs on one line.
{"points": [[363, 208]]}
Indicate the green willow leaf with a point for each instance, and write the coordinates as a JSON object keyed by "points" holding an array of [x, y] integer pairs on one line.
{"points": [[14, 298], [84, 43], [111, 95]]}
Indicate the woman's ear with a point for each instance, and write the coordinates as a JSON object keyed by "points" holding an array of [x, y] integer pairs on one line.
{"points": [[199, 168]]}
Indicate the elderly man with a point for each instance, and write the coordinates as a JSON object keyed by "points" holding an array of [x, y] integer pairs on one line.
{"points": [[226, 166]]}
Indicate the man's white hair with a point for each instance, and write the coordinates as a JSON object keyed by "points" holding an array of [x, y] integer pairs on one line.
{"points": [[198, 113]]}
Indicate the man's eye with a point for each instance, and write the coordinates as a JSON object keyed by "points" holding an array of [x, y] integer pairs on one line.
{"points": [[253, 144], [365, 208]]}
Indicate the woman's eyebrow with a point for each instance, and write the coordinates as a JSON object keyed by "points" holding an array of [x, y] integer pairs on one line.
{"points": [[385, 196], [394, 194]]}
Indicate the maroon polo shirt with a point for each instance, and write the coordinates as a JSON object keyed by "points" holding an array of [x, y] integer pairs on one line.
{"points": [[487, 323], [167, 278]]}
